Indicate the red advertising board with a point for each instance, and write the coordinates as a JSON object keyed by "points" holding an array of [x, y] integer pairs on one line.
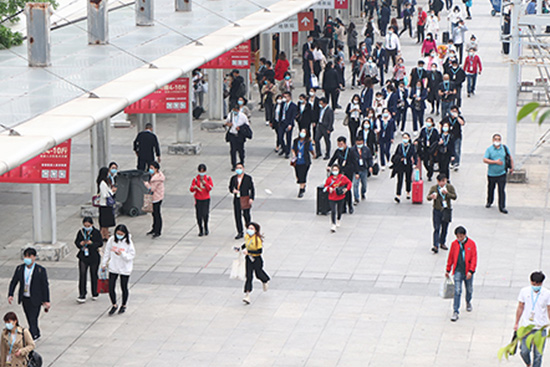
{"points": [[305, 21], [172, 98], [340, 4], [50, 167], [237, 58]]}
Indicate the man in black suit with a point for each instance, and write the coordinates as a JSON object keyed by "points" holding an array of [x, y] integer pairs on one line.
{"points": [[331, 84], [289, 112], [146, 145], [237, 89], [381, 58], [34, 289], [307, 61], [242, 188], [324, 127]]}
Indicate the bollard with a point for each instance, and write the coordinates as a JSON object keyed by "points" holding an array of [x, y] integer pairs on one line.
{"points": [[38, 34], [183, 5], [98, 22], [145, 11]]}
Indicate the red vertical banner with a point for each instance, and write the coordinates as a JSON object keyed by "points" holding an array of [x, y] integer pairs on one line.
{"points": [[172, 98], [340, 4], [51, 167]]}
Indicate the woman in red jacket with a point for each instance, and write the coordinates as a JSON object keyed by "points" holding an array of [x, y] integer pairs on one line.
{"points": [[337, 185], [201, 187], [281, 67]]}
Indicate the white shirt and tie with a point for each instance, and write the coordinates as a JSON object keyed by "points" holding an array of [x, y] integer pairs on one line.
{"points": [[237, 121], [392, 42]]}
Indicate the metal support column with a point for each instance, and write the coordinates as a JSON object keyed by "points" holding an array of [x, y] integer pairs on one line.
{"points": [[145, 13], [246, 76], [146, 118], [266, 46], [38, 34], [100, 147], [513, 77], [355, 8], [98, 22], [184, 129], [183, 5], [43, 214], [285, 39], [215, 94]]}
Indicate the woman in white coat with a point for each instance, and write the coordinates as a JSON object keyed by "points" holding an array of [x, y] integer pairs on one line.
{"points": [[119, 256]]}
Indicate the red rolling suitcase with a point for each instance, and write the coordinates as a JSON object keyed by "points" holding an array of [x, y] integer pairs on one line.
{"points": [[418, 188]]}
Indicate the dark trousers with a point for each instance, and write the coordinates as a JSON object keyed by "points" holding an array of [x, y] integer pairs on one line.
{"points": [[381, 73], [449, 4], [143, 164], [419, 33], [285, 137], [418, 118], [391, 54], [429, 165], [369, 10], [332, 96], [307, 77], [32, 312], [157, 218], [336, 208], [236, 144], [435, 104], [268, 105], [440, 228], [239, 213], [401, 117], [501, 182], [123, 285], [82, 277], [458, 99], [444, 162], [406, 174], [352, 50], [353, 125], [322, 132], [406, 25], [254, 267], [202, 209], [385, 147]]}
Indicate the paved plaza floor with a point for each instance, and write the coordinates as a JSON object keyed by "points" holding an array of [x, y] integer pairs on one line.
{"points": [[364, 296]]}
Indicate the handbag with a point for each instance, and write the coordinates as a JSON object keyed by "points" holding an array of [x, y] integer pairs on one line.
{"points": [[507, 160], [447, 215], [245, 202], [314, 81], [95, 200], [376, 169], [447, 289], [346, 120], [103, 282], [293, 161], [340, 190], [147, 203], [238, 268], [33, 358]]}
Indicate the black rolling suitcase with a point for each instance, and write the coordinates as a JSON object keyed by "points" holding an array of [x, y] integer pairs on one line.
{"points": [[322, 201], [446, 38]]}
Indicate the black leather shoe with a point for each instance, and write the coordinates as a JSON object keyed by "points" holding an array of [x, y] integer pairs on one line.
{"points": [[504, 211], [239, 236], [206, 232], [487, 205], [122, 309], [113, 310], [435, 250], [201, 233]]}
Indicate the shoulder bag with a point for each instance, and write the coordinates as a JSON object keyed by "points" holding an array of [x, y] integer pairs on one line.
{"points": [[447, 215], [507, 160], [33, 358], [346, 120]]}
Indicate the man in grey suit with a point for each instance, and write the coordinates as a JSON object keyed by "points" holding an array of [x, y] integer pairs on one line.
{"points": [[324, 128]]}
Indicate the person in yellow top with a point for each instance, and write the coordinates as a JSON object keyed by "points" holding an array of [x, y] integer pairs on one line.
{"points": [[15, 344], [252, 250]]}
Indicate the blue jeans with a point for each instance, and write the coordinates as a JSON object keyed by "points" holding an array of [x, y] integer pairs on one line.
{"points": [[459, 278], [440, 228], [471, 82], [526, 353], [458, 151], [445, 108], [363, 180]]}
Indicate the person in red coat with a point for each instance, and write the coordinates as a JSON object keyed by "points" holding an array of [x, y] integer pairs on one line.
{"points": [[472, 67], [201, 186], [337, 185], [462, 261], [281, 67]]}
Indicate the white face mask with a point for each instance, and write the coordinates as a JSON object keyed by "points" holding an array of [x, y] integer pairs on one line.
{"points": [[311, 94], [497, 144]]}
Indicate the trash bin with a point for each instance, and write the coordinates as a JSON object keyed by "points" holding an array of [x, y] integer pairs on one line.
{"points": [[130, 191]]}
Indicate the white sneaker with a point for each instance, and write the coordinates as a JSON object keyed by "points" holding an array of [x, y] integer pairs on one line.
{"points": [[383, 168], [246, 299], [415, 133], [265, 286], [337, 223], [267, 123], [81, 299], [94, 298], [333, 228]]}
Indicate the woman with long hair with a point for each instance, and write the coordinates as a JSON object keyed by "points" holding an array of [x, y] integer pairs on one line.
{"points": [[106, 202], [16, 343], [88, 241], [302, 147]]}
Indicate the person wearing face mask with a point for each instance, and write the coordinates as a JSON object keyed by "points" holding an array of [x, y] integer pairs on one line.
{"points": [[357, 63], [252, 249], [34, 289], [119, 258], [533, 311], [457, 77], [88, 241], [456, 122], [472, 68], [407, 19], [429, 45], [446, 91], [307, 61], [242, 102], [420, 24], [399, 72], [441, 194], [472, 43], [426, 146], [369, 133], [369, 72], [200, 187], [312, 105], [353, 113], [106, 203], [432, 25], [403, 162], [242, 188], [363, 163], [378, 104], [331, 85], [235, 122], [285, 85], [445, 150], [392, 46], [402, 106], [269, 91], [434, 80], [337, 185], [289, 112], [499, 162], [462, 260], [419, 73], [324, 128], [343, 157], [302, 148], [366, 97], [380, 59], [156, 187], [454, 16], [384, 19], [386, 124], [418, 104], [458, 38], [276, 120], [16, 343], [113, 170], [303, 117]]}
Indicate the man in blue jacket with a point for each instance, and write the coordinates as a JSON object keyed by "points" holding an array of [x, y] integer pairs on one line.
{"points": [[288, 113]]}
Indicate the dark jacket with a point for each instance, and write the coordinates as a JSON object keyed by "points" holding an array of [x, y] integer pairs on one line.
{"points": [[450, 88], [307, 149], [93, 249], [344, 158], [421, 105], [434, 79], [387, 133], [416, 75], [369, 138], [457, 76], [290, 115], [402, 96], [456, 127], [362, 157], [331, 79], [40, 289], [236, 90], [427, 146], [146, 145], [247, 186], [400, 165], [392, 103], [366, 99], [309, 115], [327, 120], [380, 55], [447, 149]]}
